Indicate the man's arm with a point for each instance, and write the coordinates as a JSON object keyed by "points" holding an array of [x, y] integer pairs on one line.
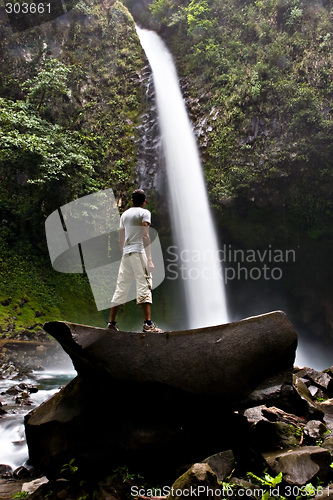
{"points": [[146, 243]]}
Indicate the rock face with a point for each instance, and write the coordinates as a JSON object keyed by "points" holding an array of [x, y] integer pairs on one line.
{"points": [[152, 399]]}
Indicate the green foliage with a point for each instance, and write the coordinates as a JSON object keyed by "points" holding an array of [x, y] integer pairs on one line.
{"points": [[125, 475], [161, 9], [267, 480], [31, 293], [68, 127], [21, 494], [199, 18], [51, 80], [273, 485], [265, 86], [38, 159], [70, 469]]}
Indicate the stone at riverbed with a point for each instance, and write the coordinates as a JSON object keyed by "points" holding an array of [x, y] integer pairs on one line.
{"points": [[310, 407], [221, 463], [151, 400], [273, 435], [300, 465], [327, 408], [320, 379], [32, 486], [315, 429], [199, 482]]}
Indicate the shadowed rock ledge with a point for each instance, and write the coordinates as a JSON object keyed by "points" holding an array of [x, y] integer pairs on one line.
{"points": [[151, 400]]}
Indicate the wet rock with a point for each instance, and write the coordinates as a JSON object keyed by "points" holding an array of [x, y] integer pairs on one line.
{"points": [[275, 390], [320, 379], [273, 428], [275, 435], [8, 371], [9, 488], [306, 404], [195, 483], [51, 490], [254, 415], [274, 414], [6, 471], [28, 387], [222, 464], [22, 392], [327, 409], [299, 466], [14, 390], [22, 356], [328, 443], [23, 399], [21, 472], [315, 429], [32, 486], [317, 393]]}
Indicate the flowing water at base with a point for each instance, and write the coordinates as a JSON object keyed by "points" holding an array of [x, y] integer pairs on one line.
{"points": [[13, 446]]}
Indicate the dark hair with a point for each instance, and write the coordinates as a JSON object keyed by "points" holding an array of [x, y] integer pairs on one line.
{"points": [[138, 197]]}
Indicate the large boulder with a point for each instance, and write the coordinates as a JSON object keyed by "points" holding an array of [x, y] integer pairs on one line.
{"points": [[228, 361], [149, 400], [300, 465]]}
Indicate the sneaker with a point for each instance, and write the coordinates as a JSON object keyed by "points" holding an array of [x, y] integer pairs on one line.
{"points": [[151, 328], [113, 326]]}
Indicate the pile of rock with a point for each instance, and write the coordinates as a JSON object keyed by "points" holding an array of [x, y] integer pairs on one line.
{"points": [[20, 393], [155, 403], [21, 354], [293, 450], [276, 452]]}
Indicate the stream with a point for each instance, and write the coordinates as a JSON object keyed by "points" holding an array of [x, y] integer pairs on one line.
{"points": [[13, 446]]}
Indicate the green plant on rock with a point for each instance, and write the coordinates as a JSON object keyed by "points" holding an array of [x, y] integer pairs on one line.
{"points": [[70, 468], [161, 9], [21, 494], [50, 81], [125, 475], [269, 484], [199, 17]]}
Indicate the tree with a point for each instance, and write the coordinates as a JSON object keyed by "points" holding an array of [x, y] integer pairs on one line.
{"points": [[42, 166], [49, 82]]}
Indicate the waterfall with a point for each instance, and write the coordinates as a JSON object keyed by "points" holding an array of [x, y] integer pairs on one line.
{"points": [[197, 249]]}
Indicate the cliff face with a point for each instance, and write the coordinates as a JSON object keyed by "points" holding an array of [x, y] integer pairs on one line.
{"points": [[97, 43], [72, 98], [256, 78]]}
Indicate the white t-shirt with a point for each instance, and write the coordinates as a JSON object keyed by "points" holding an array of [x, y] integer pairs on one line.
{"points": [[131, 221]]}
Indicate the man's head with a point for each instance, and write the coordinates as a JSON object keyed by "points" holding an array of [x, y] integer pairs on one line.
{"points": [[138, 197]]}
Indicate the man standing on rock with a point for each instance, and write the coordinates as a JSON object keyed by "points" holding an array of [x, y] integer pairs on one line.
{"points": [[134, 241]]}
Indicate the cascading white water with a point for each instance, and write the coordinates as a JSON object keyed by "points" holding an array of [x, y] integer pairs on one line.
{"points": [[13, 446], [198, 262]]}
